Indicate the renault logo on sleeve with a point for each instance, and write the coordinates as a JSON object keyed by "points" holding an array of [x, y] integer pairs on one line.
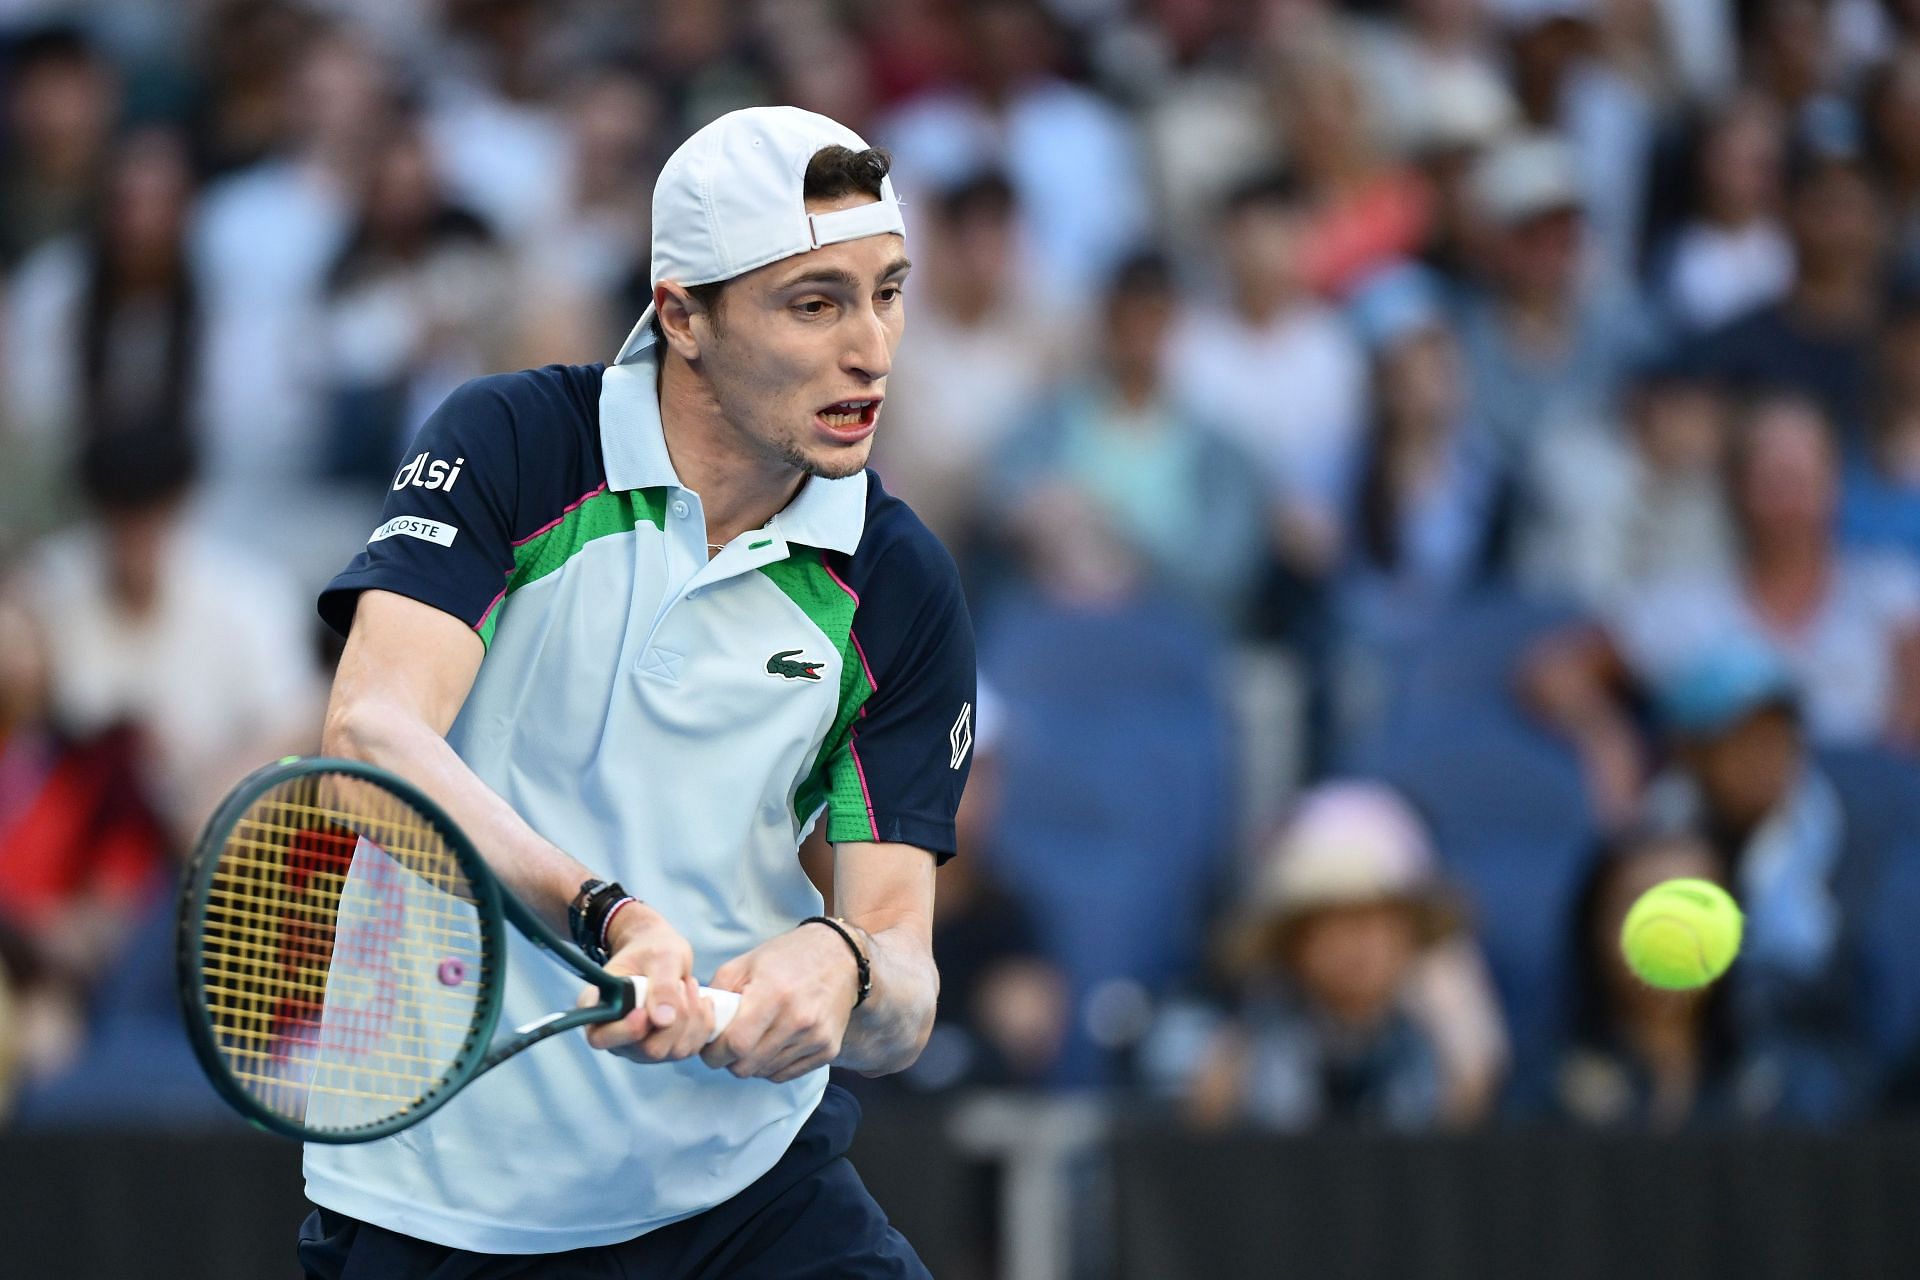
{"points": [[961, 736], [782, 664]]}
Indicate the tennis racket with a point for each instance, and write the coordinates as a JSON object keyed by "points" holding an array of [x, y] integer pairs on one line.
{"points": [[342, 955]]}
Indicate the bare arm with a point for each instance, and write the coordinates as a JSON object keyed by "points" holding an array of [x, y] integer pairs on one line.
{"points": [[405, 674], [1216, 1095], [797, 989], [886, 890], [1575, 680]]}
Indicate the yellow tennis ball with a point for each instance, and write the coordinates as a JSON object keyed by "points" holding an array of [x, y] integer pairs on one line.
{"points": [[1681, 934]]}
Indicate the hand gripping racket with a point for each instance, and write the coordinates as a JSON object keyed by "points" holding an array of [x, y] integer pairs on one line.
{"points": [[342, 955]]}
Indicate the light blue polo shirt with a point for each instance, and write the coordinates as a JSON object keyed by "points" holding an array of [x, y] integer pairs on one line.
{"points": [[674, 722]]}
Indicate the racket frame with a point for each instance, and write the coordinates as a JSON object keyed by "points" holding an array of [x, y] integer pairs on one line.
{"points": [[493, 904]]}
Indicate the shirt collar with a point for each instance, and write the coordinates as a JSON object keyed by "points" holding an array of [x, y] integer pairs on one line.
{"points": [[830, 514], [826, 513]]}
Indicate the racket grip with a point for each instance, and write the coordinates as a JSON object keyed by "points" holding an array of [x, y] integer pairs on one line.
{"points": [[725, 1004]]}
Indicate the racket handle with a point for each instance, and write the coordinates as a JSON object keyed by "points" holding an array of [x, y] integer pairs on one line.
{"points": [[725, 1004]]}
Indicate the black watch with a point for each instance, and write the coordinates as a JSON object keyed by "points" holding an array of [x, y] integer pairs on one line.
{"points": [[588, 913]]}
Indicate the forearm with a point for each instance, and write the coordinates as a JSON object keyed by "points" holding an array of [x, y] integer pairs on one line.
{"points": [[889, 1030], [533, 869]]}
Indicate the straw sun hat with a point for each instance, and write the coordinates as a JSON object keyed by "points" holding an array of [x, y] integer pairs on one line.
{"points": [[1348, 844]]}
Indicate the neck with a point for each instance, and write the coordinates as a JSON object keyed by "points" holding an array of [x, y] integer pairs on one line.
{"points": [[1357, 1022], [1787, 580], [739, 486], [1789, 558], [1133, 387], [1732, 215], [1259, 304]]}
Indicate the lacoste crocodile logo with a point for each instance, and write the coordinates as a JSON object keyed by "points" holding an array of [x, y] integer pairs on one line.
{"points": [[782, 664]]}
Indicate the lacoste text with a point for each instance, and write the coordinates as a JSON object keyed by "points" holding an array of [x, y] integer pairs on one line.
{"points": [[415, 527]]}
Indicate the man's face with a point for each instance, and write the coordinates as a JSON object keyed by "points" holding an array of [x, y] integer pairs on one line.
{"points": [[1542, 253], [1680, 428], [1261, 247], [1788, 482], [1137, 326], [798, 356]]}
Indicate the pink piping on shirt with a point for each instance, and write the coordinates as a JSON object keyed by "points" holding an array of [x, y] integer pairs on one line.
{"points": [[866, 668], [866, 796], [565, 511]]}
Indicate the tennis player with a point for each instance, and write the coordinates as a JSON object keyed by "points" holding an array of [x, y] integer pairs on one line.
{"points": [[638, 627]]}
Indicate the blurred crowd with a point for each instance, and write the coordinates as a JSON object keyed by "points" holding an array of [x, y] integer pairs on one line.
{"points": [[1425, 471]]}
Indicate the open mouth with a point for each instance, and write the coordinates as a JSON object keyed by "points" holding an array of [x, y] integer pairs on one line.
{"points": [[849, 419]]}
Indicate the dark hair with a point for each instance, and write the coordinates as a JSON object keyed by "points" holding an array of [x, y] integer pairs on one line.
{"points": [[365, 255], [1274, 189], [106, 292], [1681, 365], [987, 194], [1763, 401], [127, 472], [833, 172], [1142, 273], [54, 44], [841, 171]]}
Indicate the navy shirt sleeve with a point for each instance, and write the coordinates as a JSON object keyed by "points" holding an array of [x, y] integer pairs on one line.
{"points": [[910, 748], [446, 533]]}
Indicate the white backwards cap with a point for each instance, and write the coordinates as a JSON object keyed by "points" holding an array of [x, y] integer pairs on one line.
{"points": [[732, 198]]}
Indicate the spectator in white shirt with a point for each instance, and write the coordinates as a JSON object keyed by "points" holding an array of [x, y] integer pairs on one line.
{"points": [[987, 347], [420, 301], [1070, 154], [203, 650], [1733, 253], [1845, 623], [1606, 505], [264, 240], [104, 325], [1277, 371], [1545, 339]]}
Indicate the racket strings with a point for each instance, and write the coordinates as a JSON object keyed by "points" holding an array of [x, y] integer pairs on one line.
{"points": [[342, 956]]}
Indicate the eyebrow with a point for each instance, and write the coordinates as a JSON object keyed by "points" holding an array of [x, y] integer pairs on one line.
{"points": [[840, 276]]}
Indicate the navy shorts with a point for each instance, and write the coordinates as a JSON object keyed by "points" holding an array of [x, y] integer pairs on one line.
{"points": [[807, 1218]]}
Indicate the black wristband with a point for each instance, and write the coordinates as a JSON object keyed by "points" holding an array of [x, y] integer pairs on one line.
{"points": [[588, 913], [859, 956]]}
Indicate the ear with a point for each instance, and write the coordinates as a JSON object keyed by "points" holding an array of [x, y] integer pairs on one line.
{"points": [[678, 313]]}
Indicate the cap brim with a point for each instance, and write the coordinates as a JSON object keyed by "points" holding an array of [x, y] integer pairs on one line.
{"points": [[639, 339], [1437, 910]]}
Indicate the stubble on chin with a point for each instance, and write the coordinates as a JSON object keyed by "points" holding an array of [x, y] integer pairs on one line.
{"points": [[843, 463]]}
